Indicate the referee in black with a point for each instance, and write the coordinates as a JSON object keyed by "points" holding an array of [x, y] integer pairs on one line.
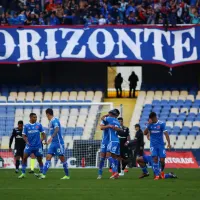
{"points": [[19, 144], [124, 136]]}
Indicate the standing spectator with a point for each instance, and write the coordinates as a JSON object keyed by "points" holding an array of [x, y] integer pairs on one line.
{"points": [[118, 85], [22, 17], [31, 4], [194, 16], [60, 13], [37, 10], [53, 19], [41, 19], [152, 17], [133, 79], [102, 20]]}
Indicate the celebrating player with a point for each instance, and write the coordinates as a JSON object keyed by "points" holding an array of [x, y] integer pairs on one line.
{"points": [[147, 159], [31, 135], [19, 144], [113, 148], [104, 143], [56, 145], [156, 129]]}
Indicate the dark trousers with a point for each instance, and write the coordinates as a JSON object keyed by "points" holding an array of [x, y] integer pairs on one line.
{"points": [[119, 91], [130, 92]]}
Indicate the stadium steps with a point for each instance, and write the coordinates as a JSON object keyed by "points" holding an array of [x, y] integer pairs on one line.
{"points": [[128, 107]]}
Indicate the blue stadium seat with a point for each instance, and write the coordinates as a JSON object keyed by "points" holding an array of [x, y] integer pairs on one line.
{"points": [[193, 132], [155, 102], [180, 103], [176, 128], [184, 133], [78, 131], [172, 102], [164, 103], [174, 132], [70, 131], [188, 103], [166, 108]]}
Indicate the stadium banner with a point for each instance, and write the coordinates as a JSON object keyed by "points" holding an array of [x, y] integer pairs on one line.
{"points": [[134, 44], [182, 159]]}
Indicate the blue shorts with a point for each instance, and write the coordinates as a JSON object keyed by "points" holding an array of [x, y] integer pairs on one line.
{"points": [[56, 149], [38, 152], [158, 151], [148, 159], [104, 147], [114, 147]]}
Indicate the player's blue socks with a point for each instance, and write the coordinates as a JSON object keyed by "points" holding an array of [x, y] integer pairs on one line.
{"points": [[168, 176], [65, 167], [41, 168], [101, 164], [112, 164], [144, 170], [24, 168], [116, 163], [46, 166], [156, 168]]}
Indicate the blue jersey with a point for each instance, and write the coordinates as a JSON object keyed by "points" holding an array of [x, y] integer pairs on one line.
{"points": [[105, 136], [156, 133], [32, 131], [54, 123], [113, 137]]}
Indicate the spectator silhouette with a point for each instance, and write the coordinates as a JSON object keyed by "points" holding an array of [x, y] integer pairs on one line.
{"points": [[118, 85], [133, 79]]}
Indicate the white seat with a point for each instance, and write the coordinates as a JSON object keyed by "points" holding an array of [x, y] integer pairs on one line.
{"points": [[184, 110], [182, 97], [38, 98], [175, 93], [5, 142], [13, 94], [158, 93], [188, 123], [11, 99], [150, 94], [170, 124], [174, 98], [194, 110], [157, 98], [178, 123], [167, 93], [196, 123], [3, 99], [189, 142], [38, 94], [21, 94], [175, 110], [190, 97], [184, 93], [30, 94], [198, 97]]}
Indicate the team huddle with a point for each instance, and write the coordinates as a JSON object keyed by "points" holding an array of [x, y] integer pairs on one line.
{"points": [[34, 137], [110, 147]]}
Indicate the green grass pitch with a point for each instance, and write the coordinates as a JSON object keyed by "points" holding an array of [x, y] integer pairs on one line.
{"points": [[83, 185]]}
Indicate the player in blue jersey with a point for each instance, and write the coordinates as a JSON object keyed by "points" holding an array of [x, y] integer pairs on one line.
{"points": [[113, 148], [156, 129], [56, 145], [31, 135], [145, 160], [105, 141]]}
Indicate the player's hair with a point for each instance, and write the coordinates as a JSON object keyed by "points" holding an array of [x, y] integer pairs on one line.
{"points": [[20, 122], [32, 114], [137, 125], [152, 115], [120, 118], [49, 111]]}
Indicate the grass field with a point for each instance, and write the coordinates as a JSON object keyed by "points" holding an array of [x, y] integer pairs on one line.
{"points": [[84, 186]]}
